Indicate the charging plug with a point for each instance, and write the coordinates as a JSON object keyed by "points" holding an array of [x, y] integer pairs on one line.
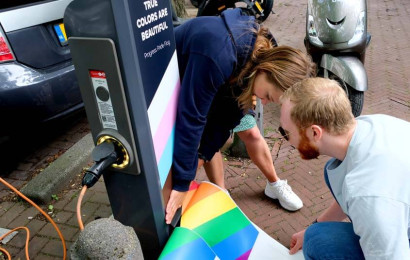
{"points": [[104, 155]]}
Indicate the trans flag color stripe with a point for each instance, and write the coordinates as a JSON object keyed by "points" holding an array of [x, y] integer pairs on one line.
{"points": [[166, 159], [162, 114]]}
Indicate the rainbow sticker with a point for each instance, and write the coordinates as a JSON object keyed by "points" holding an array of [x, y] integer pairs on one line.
{"points": [[186, 244], [213, 227]]}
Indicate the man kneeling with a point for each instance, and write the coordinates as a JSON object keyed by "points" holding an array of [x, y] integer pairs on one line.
{"points": [[369, 174]]}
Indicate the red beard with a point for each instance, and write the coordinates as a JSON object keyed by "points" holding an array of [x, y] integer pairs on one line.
{"points": [[306, 149]]}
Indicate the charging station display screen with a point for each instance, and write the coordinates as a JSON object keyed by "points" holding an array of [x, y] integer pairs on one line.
{"points": [[102, 94]]}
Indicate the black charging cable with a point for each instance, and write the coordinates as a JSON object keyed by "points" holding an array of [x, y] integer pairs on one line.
{"points": [[104, 155]]}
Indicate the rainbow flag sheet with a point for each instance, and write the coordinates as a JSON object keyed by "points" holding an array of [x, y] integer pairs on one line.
{"points": [[213, 227]]}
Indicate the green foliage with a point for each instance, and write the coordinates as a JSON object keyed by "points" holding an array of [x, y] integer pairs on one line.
{"points": [[267, 130]]}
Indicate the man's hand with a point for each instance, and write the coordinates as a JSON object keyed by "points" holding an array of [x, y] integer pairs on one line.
{"points": [[296, 242], [175, 202]]}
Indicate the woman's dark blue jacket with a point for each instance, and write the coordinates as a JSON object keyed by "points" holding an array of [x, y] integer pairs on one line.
{"points": [[210, 50]]}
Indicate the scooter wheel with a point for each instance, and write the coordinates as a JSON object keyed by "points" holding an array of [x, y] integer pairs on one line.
{"points": [[356, 100], [356, 97]]}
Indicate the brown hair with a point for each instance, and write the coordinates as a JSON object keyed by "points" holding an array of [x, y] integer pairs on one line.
{"points": [[283, 65], [319, 101]]}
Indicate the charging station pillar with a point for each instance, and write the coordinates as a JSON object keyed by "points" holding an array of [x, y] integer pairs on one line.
{"points": [[125, 61]]}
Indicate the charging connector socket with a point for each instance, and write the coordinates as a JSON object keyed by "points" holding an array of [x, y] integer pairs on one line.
{"points": [[104, 155], [123, 156]]}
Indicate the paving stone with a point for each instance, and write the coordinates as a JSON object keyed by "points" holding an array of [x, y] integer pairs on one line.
{"points": [[67, 231], [35, 226], [54, 248], [23, 218], [5, 206], [99, 186], [87, 211], [100, 197], [89, 194], [18, 184], [19, 240], [24, 166], [71, 205], [67, 197], [11, 214], [104, 211], [35, 245], [12, 250], [19, 175], [62, 217], [4, 193], [42, 256], [73, 222]]}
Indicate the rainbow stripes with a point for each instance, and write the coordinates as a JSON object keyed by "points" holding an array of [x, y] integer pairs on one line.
{"points": [[162, 114], [224, 227], [213, 227], [186, 244], [211, 215]]}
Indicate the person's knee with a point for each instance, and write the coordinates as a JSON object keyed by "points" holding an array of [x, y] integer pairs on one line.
{"points": [[250, 135], [311, 238], [329, 240], [316, 241]]}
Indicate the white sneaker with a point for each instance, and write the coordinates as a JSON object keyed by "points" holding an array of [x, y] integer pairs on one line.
{"points": [[283, 192]]}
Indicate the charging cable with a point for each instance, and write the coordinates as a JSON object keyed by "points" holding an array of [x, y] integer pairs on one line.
{"points": [[104, 155], [28, 232]]}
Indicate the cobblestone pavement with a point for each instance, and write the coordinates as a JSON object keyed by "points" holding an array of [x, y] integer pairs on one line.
{"points": [[388, 68]]}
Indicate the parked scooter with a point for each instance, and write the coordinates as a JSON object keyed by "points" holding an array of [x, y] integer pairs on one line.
{"points": [[336, 38], [258, 8]]}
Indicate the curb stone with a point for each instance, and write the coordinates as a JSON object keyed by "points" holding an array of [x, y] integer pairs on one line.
{"points": [[53, 178]]}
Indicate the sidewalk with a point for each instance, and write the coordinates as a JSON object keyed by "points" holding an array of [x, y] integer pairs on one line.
{"points": [[388, 68]]}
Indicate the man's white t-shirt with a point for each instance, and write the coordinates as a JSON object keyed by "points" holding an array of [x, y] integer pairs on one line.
{"points": [[372, 186]]}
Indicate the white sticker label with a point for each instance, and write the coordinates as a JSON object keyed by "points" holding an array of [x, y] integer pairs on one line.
{"points": [[103, 98]]}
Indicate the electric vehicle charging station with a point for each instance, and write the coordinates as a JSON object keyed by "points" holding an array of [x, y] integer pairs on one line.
{"points": [[125, 61]]}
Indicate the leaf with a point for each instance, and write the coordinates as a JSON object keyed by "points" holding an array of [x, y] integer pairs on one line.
{"points": [[50, 207]]}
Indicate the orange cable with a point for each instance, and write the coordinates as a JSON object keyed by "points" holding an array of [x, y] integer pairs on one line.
{"points": [[80, 198], [42, 212], [27, 239], [5, 252]]}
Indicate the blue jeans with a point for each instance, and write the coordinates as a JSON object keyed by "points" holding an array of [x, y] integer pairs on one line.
{"points": [[331, 240]]}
